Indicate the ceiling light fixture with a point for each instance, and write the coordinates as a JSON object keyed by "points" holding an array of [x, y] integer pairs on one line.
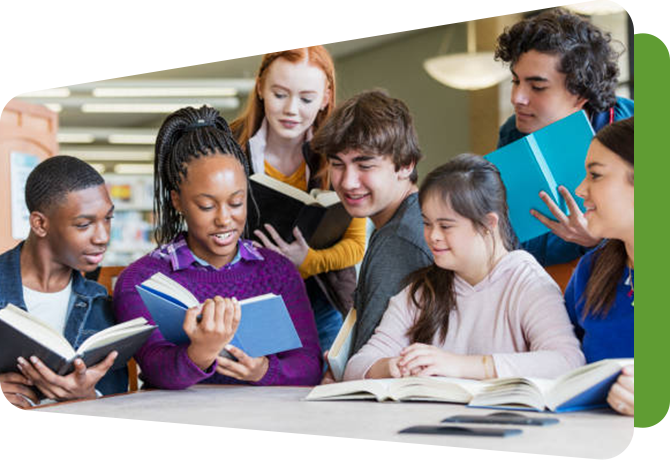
{"points": [[595, 8], [141, 42], [75, 138], [135, 105], [166, 92], [468, 71], [54, 92]]}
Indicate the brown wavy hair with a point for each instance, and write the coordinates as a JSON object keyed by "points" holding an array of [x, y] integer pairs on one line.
{"points": [[609, 260], [473, 188], [246, 125]]}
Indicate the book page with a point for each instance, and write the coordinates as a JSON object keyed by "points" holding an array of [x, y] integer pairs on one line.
{"points": [[39, 331], [354, 389], [325, 198], [114, 333], [281, 187], [164, 284]]}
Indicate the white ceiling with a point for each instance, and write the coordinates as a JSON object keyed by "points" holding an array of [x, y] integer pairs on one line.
{"points": [[343, 26]]}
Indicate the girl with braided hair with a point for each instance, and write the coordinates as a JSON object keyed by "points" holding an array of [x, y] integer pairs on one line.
{"points": [[201, 193]]}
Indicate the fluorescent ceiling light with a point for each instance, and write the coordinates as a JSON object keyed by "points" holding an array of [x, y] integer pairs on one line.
{"points": [[54, 107], [101, 48], [91, 104], [16, 50], [109, 154], [134, 168], [165, 92], [54, 92], [75, 138], [130, 108], [131, 138], [597, 7], [98, 167]]}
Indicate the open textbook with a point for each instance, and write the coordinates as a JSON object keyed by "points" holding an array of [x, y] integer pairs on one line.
{"points": [[22, 334], [582, 388], [265, 325], [340, 350]]}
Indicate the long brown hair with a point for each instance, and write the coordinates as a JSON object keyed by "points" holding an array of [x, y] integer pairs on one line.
{"points": [[246, 125], [473, 188], [609, 260]]}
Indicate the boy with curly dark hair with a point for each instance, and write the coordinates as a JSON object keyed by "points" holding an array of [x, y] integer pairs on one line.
{"points": [[560, 64]]}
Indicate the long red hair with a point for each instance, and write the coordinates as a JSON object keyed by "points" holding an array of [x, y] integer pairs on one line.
{"points": [[246, 125]]}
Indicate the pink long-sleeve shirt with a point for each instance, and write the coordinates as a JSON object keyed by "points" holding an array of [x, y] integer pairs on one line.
{"points": [[516, 314]]}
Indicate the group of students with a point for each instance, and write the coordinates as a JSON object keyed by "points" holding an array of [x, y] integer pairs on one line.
{"points": [[442, 288]]}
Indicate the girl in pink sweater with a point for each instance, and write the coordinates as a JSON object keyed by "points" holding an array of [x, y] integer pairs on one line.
{"points": [[482, 310]]}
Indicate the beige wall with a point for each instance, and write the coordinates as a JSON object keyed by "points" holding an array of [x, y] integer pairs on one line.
{"points": [[440, 113]]}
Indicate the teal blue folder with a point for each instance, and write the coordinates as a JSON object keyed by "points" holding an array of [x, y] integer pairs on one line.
{"points": [[265, 326], [543, 160]]}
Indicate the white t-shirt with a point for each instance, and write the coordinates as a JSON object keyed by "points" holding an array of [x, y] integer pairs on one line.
{"points": [[50, 307]]}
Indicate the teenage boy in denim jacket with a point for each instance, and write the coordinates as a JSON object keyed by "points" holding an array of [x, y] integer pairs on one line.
{"points": [[70, 216]]}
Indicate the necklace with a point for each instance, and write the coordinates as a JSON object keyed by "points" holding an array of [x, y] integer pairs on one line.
{"points": [[629, 282]]}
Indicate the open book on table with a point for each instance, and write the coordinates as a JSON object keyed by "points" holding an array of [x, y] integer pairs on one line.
{"points": [[319, 215], [582, 388], [543, 160], [265, 325], [22, 334]]}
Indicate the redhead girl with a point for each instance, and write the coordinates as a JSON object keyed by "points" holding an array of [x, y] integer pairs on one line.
{"points": [[481, 310], [600, 294], [294, 94], [201, 190]]}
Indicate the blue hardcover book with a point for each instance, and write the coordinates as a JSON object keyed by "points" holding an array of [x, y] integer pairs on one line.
{"points": [[265, 325], [543, 160], [583, 388]]}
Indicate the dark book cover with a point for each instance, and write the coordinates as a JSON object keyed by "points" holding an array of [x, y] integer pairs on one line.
{"points": [[15, 343], [320, 226]]}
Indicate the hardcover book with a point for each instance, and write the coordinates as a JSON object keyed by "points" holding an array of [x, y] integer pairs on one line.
{"points": [[265, 325], [543, 160], [22, 334], [319, 215]]}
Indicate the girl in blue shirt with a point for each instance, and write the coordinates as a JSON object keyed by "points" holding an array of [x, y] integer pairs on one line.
{"points": [[600, 296]]}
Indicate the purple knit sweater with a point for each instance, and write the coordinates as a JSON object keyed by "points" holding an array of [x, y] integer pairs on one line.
{"points": [[165, 365]]}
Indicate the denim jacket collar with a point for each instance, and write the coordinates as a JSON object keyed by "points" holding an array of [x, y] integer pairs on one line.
{"points": [[84, 292]]}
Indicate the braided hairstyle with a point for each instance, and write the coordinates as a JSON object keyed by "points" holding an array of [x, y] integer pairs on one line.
{"points": [[185, 135]]}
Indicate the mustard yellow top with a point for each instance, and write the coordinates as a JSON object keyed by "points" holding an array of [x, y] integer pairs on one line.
{"points": [[345, 253]]}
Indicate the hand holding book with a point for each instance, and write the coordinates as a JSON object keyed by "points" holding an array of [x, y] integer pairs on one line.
{"points": [[219, 319], [295, 251], [571, 228], [78, 384]]}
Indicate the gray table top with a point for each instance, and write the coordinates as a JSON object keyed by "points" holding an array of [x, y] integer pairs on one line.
{"points": [[595, 434]]}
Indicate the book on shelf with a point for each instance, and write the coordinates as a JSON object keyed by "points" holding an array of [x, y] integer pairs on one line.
{"points": [[24, 335], [340, 350], [265, 326], [583, 388], [319, 215], [543, 160]]}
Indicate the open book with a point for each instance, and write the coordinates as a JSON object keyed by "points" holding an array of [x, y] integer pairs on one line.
{"points": [[22, 334], [265, 326], [340, 350], [543, 160], [582, 388], [319, 215]]}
